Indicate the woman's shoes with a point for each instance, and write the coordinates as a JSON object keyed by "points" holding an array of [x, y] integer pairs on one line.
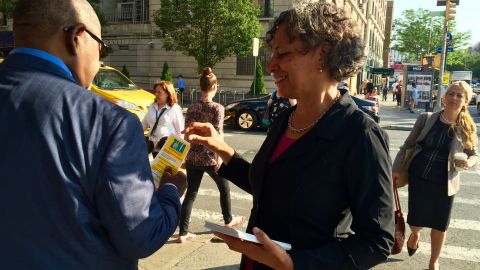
{"points": [[412, 251], [184, 238]]}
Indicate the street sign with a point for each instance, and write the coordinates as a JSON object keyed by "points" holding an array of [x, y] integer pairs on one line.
{"points": [[443, 3], [256, 44], [437, 13], [446, 78], [449, 49], [449, 37]]}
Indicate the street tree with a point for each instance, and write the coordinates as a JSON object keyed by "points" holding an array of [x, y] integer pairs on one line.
{"points": [[258, 85], [166, 73], [209, 31], [418, 33]]}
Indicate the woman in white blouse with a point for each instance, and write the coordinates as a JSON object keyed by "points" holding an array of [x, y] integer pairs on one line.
{"points": [[168, 112]]}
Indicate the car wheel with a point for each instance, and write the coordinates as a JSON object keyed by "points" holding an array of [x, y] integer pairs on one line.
{"points": [[246, 120]]}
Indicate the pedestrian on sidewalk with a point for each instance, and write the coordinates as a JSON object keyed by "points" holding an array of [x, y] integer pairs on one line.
{"points": [[301, 194], [164, 116], [200, 159], [433, 170], [385, 90], [414, 96], [394, 90], [83, 196], [398, 94]]}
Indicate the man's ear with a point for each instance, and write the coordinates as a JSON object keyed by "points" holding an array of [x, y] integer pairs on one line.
{"points": [[72, 36]]}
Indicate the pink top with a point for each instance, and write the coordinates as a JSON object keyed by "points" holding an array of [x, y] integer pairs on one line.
{"points": [[282, 145]]}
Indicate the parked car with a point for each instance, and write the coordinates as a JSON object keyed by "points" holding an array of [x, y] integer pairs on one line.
{"points": [[478, 104], [113, 86], [473, 101], [247, 114]]}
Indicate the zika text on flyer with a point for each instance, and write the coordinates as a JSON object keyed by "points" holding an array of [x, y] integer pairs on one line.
{"points": [[172, 155]]}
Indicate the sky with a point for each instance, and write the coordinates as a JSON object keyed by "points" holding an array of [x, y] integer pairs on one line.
{"points": [[466, 12]]}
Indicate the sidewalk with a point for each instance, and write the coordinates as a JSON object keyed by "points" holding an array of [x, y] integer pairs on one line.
{"points": [[203, 252], [393, 117]]}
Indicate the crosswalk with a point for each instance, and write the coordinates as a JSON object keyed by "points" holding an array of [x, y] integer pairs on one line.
{"points": [[454, 251]]}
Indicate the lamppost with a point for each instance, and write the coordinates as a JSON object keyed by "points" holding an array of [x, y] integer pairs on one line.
{"points": [[449, 15]]}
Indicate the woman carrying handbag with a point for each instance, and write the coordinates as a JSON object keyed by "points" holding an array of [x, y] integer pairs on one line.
{"points": [[437, 142]]}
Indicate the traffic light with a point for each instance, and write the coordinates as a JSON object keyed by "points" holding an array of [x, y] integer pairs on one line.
{"points": [[436, 60], [427, 60], [450, 10]]}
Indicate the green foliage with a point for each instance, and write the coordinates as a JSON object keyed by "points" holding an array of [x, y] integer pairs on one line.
{"points": [[209, 31], [259, 82], [418, 34], [96, 6], [125, 71], [6, 8], [166, 73]]}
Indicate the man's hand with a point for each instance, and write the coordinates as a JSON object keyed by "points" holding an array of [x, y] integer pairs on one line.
{"points": [[179, 180], [268, 253]]}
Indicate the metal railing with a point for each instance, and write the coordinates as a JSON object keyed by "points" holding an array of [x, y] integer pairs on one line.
{"points": [[223, 97]]}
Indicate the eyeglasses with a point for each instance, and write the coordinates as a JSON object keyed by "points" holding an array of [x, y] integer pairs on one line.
{"points": [[103, 47]]}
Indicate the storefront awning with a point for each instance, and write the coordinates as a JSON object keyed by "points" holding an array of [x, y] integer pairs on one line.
{"points": [[383, 71]]}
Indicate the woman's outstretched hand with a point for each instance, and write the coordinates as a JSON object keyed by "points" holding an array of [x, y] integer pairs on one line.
{"points": [[268, 253], [207, 135]]}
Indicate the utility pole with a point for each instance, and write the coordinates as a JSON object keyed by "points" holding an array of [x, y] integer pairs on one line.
{"points": [[449, 15]]}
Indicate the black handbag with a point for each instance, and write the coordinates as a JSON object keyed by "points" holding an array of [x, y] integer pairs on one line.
{"points": [[150, 144]]}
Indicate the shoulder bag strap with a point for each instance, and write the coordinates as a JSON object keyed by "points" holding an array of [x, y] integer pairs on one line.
{"points": [[396, 198], [156, 121]]}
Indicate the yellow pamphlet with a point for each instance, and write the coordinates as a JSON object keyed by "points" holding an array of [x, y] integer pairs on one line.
{"points": [[172, 154]]}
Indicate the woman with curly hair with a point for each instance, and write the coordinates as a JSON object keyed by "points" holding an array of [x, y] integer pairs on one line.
{"points": [[321, 180], [437, 139]]}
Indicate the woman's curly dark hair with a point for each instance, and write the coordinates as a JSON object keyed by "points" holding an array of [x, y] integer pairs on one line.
{"points": [[318, 22]]}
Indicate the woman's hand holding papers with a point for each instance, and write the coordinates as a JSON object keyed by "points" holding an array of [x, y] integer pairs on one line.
{"points": [[268, 253], [206, 134]]}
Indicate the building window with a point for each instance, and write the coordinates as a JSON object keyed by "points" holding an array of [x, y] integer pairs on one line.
{"points": [[130, 11], [266, 7], [246, 64]]}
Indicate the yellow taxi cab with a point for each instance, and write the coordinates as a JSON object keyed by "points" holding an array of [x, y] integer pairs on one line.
{"points": [[113, 86]]}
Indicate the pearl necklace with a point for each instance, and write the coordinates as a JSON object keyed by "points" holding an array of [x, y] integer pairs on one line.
{"points": [[446, 120], [302, 130]]}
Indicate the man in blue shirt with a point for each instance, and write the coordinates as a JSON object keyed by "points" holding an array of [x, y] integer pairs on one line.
{"points": [[76, 188], [180, 83], [414, 97]]}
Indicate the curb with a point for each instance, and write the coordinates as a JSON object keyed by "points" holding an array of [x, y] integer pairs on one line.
{"points": [[399, 127]]}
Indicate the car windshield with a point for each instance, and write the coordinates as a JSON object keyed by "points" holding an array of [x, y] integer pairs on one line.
{"points": [[110, 79]]}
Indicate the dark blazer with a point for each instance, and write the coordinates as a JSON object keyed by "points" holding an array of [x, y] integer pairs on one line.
{"points": [[339, 170], [420, 130], [75, 181]]}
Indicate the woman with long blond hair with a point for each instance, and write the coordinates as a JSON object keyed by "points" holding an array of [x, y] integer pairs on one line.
{"points": [[438, 139], [164, 117]]}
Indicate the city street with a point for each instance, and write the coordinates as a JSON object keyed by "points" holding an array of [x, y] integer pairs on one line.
{"points": [[461, 250]]}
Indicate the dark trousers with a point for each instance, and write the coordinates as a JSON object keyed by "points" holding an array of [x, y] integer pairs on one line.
{"points": [[194, 179]]}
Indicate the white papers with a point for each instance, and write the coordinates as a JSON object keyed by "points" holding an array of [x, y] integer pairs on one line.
{"points": [[239, 234]]}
